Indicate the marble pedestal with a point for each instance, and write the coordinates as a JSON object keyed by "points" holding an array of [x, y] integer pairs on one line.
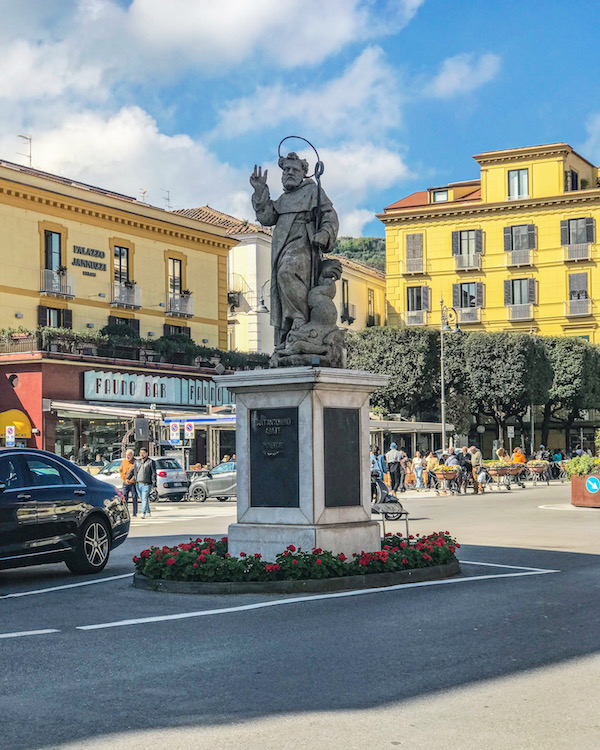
{"points": [[302, 446]]}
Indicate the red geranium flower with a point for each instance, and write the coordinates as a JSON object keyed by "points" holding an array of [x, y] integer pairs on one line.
{"points": [[319, 561], [342, 557], [257, 556], [224, 539], [195, 565], [291, 548], [136, 559], [242, 554], [294, 562], [171, 561], [404, 561]]}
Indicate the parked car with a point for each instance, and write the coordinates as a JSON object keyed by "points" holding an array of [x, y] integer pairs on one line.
{"points": [[171, 480], [219, 482], [53, 511]]}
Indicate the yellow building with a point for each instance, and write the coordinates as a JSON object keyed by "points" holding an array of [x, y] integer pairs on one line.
{"points": [[360, 294], [515, 250], [79, 257]]}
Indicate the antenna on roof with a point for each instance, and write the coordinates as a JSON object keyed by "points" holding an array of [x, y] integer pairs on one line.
{"points": [[26, 137], [143, 193], [167, 198]]}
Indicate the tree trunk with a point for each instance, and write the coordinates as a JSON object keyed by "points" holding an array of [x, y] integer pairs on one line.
{"points": [[546, 424]]}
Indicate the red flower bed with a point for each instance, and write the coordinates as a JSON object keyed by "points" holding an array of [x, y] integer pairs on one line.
{"points": [[208, 560]]}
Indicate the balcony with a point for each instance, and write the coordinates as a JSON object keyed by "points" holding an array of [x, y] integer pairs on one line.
{"points": [[469, 314], [373, 320], [468, 262], [580, 251], [181, 305], [519, 258], [520, 312], [414, 265], [415, 317], [57, 283], [348, 314], [126, 294], [575, 308]]}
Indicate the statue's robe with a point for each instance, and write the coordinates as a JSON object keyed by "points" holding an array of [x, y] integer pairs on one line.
{"points": [[294, 260]]}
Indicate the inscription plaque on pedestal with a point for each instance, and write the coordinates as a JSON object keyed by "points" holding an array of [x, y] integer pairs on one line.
{"points": [[341, 429], [274, 458]]}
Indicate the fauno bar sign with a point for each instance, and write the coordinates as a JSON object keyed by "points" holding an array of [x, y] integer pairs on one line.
{"points": [[148, 389]]}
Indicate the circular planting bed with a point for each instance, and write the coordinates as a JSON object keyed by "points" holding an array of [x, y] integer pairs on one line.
{"points": [[204, 566]]}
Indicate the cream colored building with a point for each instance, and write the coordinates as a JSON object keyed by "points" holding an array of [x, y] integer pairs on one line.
{"points": [[360, 294], [77, 256]]}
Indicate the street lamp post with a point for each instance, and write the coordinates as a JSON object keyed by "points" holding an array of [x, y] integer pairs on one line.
{"points": [[447, 315]]}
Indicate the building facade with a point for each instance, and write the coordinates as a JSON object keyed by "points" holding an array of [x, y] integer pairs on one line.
{"points": [[514, 250], [360, 293], [76, 256]]}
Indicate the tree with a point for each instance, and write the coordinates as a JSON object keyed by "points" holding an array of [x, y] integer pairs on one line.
{"points": [[410, 356], [368, 250], [575, 385], [505, 373]]}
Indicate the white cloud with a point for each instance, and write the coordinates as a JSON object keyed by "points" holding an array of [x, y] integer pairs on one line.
{"points": [[463, 73], [364, 98], [45, 71]]}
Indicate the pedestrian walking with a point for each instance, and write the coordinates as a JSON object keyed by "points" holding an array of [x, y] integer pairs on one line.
{"points": [[466, 469], [379, 462], [129, 487], [432, 463], [393, 457], [418, 465], [144, 474], [403, 467], [476, 463]]}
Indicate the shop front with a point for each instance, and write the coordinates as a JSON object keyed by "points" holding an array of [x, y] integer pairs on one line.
{"points": [[81, 407]]}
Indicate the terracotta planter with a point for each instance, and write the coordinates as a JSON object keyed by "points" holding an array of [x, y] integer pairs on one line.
{"points": [[580, 495], [501, 472], [446, 474], [537, 469], [515, 472]]}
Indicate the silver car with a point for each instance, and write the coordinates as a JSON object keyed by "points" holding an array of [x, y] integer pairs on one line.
{"points": [[219, 482], [171, 479]]}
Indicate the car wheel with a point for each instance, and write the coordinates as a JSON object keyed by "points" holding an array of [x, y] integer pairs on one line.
{"points": [[91, 548], [199, 493]]}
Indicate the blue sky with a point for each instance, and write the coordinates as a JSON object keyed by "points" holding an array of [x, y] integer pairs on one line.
{"points": [[187, 95]]}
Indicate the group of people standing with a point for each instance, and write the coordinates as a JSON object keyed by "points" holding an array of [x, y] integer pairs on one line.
{"points": [[397, 463], [139, 478]]}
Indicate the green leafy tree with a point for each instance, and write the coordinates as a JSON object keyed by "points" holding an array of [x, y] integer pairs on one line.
{"points": [[505, 373], [410, 356], [575, 384], [368, 250]]}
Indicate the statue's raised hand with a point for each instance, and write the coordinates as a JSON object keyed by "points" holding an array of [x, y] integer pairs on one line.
{"points": [[258, 180]]}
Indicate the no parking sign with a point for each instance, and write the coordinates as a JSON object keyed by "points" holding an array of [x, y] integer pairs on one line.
{"points": [[189, 430], [174, 433], [10, 436]]}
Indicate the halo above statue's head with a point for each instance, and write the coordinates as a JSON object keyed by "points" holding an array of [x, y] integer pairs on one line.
{"points": [[319, 166]]}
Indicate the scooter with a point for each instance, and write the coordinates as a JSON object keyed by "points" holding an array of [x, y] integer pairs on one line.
{"points": [[382, 495]]}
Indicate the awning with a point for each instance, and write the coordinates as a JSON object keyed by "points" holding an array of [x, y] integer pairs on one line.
{"points": [[17, 418]]}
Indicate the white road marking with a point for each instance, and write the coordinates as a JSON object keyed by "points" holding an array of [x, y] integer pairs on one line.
{"points": [[513, 567], [304, 599], [566, 506], [65, 586], [28, 632]]}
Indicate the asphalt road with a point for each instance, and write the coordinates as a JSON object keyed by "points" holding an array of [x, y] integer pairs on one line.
{"points": [[502, 657]]}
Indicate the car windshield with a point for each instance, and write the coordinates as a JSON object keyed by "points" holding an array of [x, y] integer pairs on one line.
{"points": [[111, 467], [167, 463]]}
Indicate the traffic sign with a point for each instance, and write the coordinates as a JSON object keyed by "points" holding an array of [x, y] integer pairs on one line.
{"points": [[592, 484], [10, 436], [189, 430], [174, 433], [510, 431]]}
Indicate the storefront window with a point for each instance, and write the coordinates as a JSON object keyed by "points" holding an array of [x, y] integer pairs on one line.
{"points": [[100, 435]]}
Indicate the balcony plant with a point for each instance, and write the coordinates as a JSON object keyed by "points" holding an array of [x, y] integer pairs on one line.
{"points": [[186, 293]]}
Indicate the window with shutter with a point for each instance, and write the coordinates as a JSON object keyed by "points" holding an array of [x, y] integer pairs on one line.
{"points": [[508, 292], [456, 295], [455, 243], [479, 294], [67, 318], [479, 241], [508, 239], [414, 298], [564, 233], [589, 229], [425, 296], [531, 289], [42, 315], [578, 286], [531, 236], [414, 246]]}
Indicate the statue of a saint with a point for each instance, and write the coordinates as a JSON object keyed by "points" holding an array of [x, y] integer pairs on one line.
{"points": [[306, 226]]}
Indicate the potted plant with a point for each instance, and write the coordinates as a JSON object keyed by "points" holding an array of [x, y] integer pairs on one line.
{"points": [[496, 468], [186, 293], [446, 472], [584, 473], [129, 284], [61, 270]]}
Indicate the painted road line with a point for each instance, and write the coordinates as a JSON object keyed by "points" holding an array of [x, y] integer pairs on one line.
{"points": [[566, 506], [28, 632], [306, 599], [65, 586], [513, 567]]}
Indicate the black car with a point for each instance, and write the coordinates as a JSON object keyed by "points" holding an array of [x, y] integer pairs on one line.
{"points": [[53, 511]]}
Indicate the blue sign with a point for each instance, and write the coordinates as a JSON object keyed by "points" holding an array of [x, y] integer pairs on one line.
{"points": [[592, 484], [10, 436]]}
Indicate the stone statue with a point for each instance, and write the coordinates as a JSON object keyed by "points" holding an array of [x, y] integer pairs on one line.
{"points": [[302, 284]]}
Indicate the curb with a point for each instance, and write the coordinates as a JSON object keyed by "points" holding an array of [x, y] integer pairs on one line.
{"points": [[311, 586]]}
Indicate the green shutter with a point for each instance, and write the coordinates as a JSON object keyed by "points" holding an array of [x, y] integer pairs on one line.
{"points": [[507, 239]]}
